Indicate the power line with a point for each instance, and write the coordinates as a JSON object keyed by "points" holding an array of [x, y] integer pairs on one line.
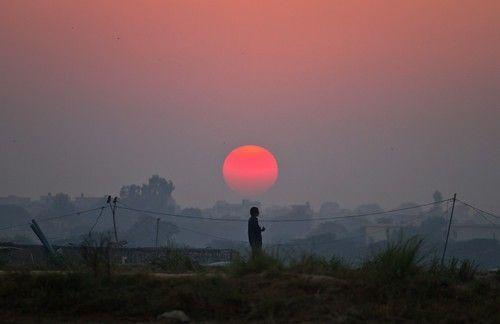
{"points": [[52, 218], [321, 243], [289, 243], [211, 235], [182, 216], [68, 215], [355, 215], [485, 218], [478, 209], [97, 220], [281, 220], [479, 213], [339, 240]]}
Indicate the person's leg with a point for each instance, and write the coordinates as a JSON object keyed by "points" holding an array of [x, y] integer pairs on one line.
{"points": [[256, 250]]}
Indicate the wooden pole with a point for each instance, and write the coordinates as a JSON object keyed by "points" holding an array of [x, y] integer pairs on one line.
{"points": [[157, 230], [113, 211], [449, 227]]}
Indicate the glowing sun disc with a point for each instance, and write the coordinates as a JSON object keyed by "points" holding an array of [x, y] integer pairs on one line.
{"points": [[250, 170]]}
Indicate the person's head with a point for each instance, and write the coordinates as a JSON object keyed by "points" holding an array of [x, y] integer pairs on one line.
{"points": [[254, 211]]}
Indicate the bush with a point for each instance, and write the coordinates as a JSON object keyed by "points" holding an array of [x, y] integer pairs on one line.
{"points": [[398, 260], [98, 254]]}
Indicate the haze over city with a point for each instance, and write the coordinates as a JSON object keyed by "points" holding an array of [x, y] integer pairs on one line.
{"points": [[249, 161], [359, 103]]}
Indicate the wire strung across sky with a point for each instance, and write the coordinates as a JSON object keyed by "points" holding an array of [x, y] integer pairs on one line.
{"points": [[478, 209], [286, 244], [97, 220], [413, 217], [299, 243], [278, 221], [220, 219], [52, 218]]}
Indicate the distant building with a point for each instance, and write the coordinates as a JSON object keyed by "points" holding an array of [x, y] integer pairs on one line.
{"points": [[47, 199], [285, 231], [466, 232], [384, 232], [15, 200], [88, 202], [224, 209], [335, 228]]}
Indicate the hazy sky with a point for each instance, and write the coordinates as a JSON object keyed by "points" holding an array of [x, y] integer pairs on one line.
{"points": [[360, 101]]}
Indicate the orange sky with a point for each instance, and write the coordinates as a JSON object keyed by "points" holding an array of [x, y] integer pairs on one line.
{"points": [[352, 96]]}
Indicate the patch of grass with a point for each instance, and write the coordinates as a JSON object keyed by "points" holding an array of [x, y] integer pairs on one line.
{"points": [[454, 269], [119, 295], [3, 261], [260, 263], [395, 285], [312, 264], [398, 260], [289, 297]]}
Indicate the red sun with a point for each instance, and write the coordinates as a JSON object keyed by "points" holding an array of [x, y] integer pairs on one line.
{"points": [[250, 170]]}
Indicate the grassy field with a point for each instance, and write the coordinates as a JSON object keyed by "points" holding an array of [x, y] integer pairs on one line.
{"points": [[394, 285]]}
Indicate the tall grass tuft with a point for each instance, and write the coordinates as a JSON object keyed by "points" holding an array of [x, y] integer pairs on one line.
{"points": [[454, 269], [398, 260]]}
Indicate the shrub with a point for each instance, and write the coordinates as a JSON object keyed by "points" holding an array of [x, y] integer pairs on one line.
{"points": [[98, 254]]}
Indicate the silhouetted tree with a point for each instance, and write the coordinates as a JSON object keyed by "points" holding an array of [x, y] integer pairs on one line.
{"points": [[437, 209], [437, 195]]}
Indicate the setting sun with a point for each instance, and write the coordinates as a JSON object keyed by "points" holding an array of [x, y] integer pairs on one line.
{"points": [[250, 170]]}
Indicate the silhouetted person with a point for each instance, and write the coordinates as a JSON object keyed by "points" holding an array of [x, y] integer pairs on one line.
{"points": [[255, 231]]}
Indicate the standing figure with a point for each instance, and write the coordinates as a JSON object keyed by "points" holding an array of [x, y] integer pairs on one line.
{"points": [[255, 232]]}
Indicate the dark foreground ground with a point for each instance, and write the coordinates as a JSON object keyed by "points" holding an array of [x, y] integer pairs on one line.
{"points": [[394, 285], [270, 296]]}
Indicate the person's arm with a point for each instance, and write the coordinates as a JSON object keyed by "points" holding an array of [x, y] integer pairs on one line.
{"points": [[262, 229]]}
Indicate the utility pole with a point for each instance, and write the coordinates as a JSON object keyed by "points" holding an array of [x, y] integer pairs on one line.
{"points": [[449, 227], [156, 239], [113, 211]]}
